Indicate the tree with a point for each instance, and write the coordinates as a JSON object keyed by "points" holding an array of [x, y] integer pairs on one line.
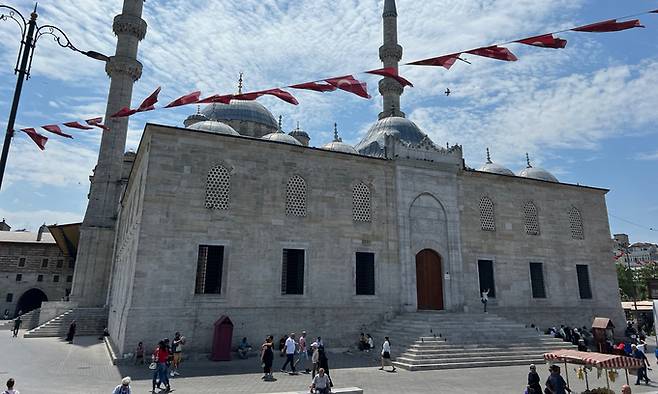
{"points": [[625, 279]]}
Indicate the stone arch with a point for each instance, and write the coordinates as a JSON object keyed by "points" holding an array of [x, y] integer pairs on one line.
{"points": [[30, 300]]}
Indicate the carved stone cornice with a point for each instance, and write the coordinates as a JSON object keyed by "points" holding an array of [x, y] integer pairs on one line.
{"points": [[390, 52], [123, 65], [128, 24]]}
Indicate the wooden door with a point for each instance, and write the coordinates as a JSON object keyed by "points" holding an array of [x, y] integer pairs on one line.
{"points": [[429, 280]]}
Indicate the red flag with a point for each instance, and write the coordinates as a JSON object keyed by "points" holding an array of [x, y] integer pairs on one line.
{"points": [[495, 52], [53, 128], [318, 87], [545, 41], [96, 122], [248, 96], [38, 139], [123, 112], [77, 125], [446, 61], [391, 72], [349, 84], [184, 100], [609, 26], [224, 99], [149, 102], [281, 94]]}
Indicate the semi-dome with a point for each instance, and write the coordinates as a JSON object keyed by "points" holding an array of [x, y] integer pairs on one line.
{"points": [[240, 110], [213, 126], [399, 128], [494, 168], [337, 145], [537, 173], [280, 136]]}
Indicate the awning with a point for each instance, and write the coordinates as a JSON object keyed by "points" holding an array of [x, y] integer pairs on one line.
{"points": [[597, 360], [67, 237], [642, 306]]}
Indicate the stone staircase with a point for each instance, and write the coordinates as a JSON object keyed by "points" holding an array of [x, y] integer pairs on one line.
{"points": [[30, 320], [446, 340], [89, 321]]}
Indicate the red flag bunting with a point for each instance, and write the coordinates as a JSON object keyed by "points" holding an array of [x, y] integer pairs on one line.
{"points": [[282, 94], [77, 125], [318, 87], [248, 96], [495, 52], [609, 26], [38, 139], [391, 72], [446, 61], [123, 112], [96, 122], [224, 99], [53, 128], [545, 41], [350, 84], [185, 100], [149, 103]]}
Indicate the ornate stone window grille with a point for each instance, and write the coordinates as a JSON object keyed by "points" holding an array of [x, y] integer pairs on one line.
{"points": [[361, 205], [296, 196], [530, 218], [218, 188], [487, 219], [576, 224]]}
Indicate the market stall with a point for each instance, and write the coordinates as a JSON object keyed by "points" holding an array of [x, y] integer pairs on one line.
{"points": [[608, 362]]}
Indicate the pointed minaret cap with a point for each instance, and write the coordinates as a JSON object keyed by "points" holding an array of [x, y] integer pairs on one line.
{"points": [[527, 158], [336, 137], [389, 8]]}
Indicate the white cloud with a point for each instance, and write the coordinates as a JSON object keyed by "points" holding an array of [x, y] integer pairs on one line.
{"points": [[648, 156]]}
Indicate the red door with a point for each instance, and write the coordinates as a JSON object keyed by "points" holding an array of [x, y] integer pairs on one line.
{"points": [[429, 280]]}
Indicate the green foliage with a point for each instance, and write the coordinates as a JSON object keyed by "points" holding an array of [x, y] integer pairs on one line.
{"points": [[640, 276]]}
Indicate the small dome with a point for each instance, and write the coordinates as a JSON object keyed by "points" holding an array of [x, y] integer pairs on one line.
{"points": [[214, 127], [337, 145], [249, 111], [494, 168], [400, 128], [196, 118], [299, 133], [281, 137], [537, 173]]}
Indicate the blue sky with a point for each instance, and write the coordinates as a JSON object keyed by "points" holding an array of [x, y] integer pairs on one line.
{"points": [[586, 113]]}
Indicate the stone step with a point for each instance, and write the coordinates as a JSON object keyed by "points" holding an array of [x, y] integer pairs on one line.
{"points": [[470, 364], [89, 321], [472, 358]]}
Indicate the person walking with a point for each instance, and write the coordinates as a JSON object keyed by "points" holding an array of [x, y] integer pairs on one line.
{"points": [[315, 359], [485, 299], [160, 357], [10, 387], [124, 387], [555, 383], [386, 355], [534, 382], [321, 384], [267, 357], [642, 372], [323, 363], [303, 352], [177, 350], [290, 348], [17, 325], [71, 333]]}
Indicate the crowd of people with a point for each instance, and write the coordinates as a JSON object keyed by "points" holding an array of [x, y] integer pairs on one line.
{"points": [[581, 337], [166, 360]]}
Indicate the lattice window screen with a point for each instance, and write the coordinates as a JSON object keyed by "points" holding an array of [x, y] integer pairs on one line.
{"points": [[576, 224], [530, 218], [218, 188], [487, 219], [296, 196], [361, 205]]}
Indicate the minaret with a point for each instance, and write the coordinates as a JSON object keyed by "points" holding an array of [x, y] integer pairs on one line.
{"points": [[390, 53], [94, 257]]}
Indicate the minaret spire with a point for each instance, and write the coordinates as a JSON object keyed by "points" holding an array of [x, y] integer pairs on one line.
{"points": [[240, 81], [488, 157], [390, 54], [527, 158]]}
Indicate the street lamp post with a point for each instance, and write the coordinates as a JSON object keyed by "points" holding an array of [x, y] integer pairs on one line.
{"points": [[30, 34]]}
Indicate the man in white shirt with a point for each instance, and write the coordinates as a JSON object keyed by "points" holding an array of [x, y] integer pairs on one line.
{"points": [[290, 348], [10, 387], [321, 384]]}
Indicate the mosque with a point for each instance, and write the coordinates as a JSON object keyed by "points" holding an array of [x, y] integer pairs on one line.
{"points": [[231, 215]]}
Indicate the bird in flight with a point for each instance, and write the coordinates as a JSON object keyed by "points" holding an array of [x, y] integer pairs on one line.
{"points": [[448, 92]]}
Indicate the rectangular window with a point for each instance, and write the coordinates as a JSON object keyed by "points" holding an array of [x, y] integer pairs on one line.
{"points": [[44, 263], [56, 278], [69, 279], [292, 274], [486, 274], [210, 265], [365, 273], [583, 282], [19, 277], [21, 262], [60, 263], [39, 278], [10, 297], [537, 280]]}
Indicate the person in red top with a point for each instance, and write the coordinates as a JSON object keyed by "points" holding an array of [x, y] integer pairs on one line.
{"points": [[160, 357]]}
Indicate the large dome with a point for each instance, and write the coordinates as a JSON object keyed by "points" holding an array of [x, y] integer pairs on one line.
{"points": [[399, 128], [241, 110], [213, 127], [494, 168]]}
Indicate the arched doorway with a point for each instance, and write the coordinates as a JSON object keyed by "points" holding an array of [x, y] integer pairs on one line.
{"points": [[429, 280], [30, 300]]}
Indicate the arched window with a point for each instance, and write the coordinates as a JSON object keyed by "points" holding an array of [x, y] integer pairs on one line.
{"points": [[530, 218], [296, 196], [576, 224], [218, 188], [361, 203], [487, 220]]}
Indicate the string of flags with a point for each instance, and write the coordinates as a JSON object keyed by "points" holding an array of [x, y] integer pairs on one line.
{"points": [[347, 83]]}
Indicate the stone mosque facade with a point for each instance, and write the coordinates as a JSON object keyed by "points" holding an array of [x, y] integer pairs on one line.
{"points": [[232, 216]]}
